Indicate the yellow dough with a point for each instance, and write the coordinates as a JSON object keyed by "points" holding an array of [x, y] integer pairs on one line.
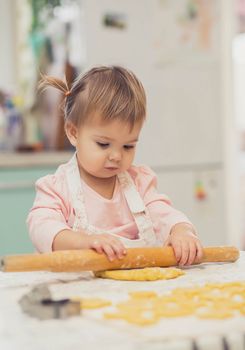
{"points": [[146, 274], [143, 294], [212, 301], [143, 308]]}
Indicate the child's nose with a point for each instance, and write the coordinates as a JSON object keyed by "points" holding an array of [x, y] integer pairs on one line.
{"points": [[115, 156]]}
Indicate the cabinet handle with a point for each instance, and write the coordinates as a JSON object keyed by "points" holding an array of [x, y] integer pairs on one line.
{"points": [[16, 185]]}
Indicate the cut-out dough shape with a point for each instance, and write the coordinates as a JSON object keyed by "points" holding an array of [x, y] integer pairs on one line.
{"points": [[212, 301], [146, 274]]}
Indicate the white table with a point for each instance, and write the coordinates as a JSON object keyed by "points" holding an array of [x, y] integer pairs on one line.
{"points": [[91, 331]]}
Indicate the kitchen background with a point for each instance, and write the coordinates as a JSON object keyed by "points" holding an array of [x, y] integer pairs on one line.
{"points": [[190, 56]]}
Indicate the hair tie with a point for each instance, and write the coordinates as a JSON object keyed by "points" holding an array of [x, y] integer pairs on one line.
{"points": [[68, 93]]}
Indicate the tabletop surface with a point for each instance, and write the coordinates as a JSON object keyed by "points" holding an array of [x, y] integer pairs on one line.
{"points": [[91, 331]]}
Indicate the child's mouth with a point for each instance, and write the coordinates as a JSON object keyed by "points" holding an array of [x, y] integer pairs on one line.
{"points": [[111, 168]]}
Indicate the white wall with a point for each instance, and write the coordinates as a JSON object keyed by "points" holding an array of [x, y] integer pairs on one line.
{"points": [[206, 215], [183, 88], [231, 170]]}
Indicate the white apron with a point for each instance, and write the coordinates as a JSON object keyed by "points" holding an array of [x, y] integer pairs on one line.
{"points": [[136, 205]]}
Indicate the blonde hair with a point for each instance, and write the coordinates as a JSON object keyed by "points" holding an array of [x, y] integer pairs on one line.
{"points": [[113, 92]]}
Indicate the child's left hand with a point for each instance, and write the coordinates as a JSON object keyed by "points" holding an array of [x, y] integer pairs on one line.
{"points": [[186, 245]]}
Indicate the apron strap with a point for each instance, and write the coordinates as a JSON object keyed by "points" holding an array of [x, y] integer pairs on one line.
{"points": [[75, 188], [138, 209]]}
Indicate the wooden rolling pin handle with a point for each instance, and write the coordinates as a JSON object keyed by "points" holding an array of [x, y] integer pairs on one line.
{"points": [[220, 254], [89, 260]]}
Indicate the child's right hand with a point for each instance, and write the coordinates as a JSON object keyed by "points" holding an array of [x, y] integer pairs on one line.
{"points": [[104, 243]]}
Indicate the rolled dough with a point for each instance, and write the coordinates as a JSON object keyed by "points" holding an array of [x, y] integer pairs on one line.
{"points": [[146, 274]]}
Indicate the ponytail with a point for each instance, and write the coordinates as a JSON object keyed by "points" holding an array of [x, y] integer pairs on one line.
{"points": [[48, 81]]}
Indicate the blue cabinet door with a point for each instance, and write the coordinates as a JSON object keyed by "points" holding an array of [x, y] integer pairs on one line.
{"points": [[17, 193]]}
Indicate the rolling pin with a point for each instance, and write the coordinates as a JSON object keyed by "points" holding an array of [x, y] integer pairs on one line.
{"points": [[89, 260]]}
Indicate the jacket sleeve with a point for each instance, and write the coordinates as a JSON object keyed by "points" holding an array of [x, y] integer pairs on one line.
{"points": [[163, 215], [49, 214]]}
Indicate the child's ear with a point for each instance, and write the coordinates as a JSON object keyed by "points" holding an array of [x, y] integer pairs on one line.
{"points": [[71, 133]]}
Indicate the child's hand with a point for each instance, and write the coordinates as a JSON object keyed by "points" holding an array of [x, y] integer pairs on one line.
{"points": [[104, 243], [186, 245]]}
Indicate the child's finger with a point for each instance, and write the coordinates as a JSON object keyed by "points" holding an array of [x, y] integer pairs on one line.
{"points": [[184, 253], [177, 251], [167, 243], [118, 248], [199, 254], [109, 251], [192, 253], [96, 245], [118, 242]]}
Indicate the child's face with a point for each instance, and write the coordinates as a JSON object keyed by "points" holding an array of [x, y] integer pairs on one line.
{"points": [[105, 149]]}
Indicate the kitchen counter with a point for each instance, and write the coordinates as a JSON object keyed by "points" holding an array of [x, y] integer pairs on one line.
{"points": [[34, 159], [90, 331]]}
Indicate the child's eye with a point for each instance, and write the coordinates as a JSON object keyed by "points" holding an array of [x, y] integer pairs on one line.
{"points": [[102, 145], [127, 147]]}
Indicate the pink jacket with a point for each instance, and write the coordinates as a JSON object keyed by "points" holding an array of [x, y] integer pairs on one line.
{"points": [[53, 212]]}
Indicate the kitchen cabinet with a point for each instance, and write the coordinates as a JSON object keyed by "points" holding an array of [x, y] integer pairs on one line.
{"points": [[17, 191]]}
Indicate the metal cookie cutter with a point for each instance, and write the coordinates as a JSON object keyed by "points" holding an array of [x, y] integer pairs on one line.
{"points": [[39, 303]]}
